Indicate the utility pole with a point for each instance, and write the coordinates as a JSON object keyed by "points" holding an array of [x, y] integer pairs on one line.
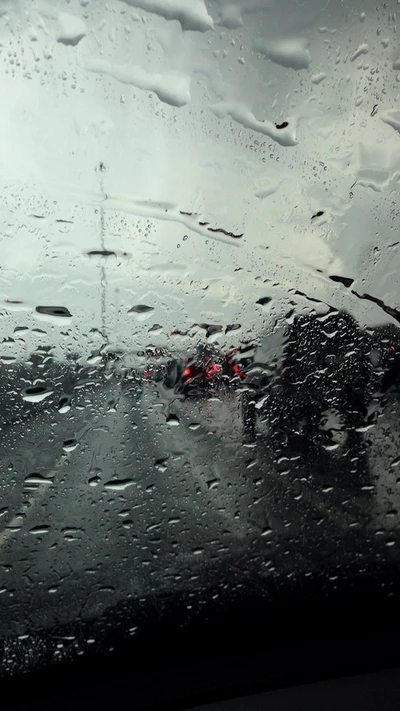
{"points": [[103, 276]]}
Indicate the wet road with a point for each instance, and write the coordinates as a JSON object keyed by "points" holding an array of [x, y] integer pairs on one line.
{"points": [[121, 496], [110, 500]]}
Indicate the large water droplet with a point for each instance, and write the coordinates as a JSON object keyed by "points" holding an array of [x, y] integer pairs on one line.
{"points": [[71, 29], [37, 480], [36, 394], [118, 484], [69, 445], [161, 464], [59, 311], [63, 405], [140, 309], [267, 531], [39, 530], [173, 420]]}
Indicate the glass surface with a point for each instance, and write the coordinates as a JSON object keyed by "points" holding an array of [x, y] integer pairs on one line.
{"points": [[199, 285]]}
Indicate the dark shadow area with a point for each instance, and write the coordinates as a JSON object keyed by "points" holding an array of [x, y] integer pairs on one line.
{"points": [[189, 650]]}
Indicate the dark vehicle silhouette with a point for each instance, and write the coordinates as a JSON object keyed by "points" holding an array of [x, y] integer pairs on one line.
{"points": [[198, 374]]}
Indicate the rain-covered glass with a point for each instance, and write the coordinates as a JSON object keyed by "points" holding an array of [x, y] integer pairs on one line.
{"points": [[200, 301]]}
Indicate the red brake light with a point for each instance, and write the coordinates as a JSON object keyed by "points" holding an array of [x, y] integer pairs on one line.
{"points": [[211, 370], [186, 372]]}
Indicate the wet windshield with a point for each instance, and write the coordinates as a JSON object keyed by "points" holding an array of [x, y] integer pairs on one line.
{"points": [[200, 306]]}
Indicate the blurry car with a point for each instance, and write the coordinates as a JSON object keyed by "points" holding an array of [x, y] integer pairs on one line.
{"points": [[200, 373]]}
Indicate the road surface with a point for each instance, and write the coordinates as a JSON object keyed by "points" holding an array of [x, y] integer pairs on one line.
{"points": [[124, 494]]}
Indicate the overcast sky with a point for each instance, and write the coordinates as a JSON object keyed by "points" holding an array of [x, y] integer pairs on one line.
{"points": [[121, 116]]}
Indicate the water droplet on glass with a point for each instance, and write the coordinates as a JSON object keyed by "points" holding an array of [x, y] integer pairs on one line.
{"points": [[267, 531], [124, 513], [155, 329], [264, 301], [69, 445], [36, 394], [37, 480], [161, 464], [58, 311], [63, 405], [140, 309], [173, 420], [39, 530], [118, 484]]}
